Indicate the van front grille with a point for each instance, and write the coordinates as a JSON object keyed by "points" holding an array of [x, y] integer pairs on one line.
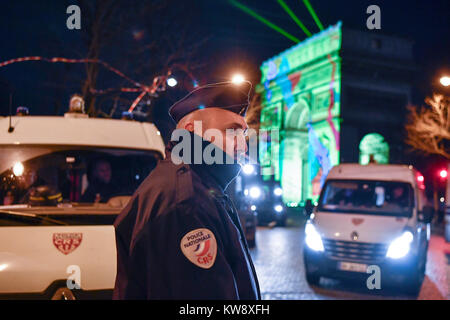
{"points": [[351, 250]]}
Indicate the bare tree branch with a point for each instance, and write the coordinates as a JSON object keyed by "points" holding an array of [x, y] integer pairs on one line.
{"points": [[428, 128], [143, 39]]}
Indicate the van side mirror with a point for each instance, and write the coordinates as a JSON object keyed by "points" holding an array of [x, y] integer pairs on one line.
{"points": [[426, 215], [308, 208]]}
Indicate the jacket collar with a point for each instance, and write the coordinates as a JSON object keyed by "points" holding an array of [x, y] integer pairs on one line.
{"points": [[222, 173]]}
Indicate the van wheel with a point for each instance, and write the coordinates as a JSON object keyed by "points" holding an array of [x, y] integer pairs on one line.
{"points": [[414, 283], [63, 293], [413, 286], [312, 276], [313, 279], [282, 222]]}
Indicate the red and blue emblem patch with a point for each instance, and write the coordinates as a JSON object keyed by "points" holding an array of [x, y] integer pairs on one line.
{"points": [[199, 246]]}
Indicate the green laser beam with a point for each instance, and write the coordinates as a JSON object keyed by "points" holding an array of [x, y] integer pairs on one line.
{"points": [[313, 13], [263, 20], [294, 17]]}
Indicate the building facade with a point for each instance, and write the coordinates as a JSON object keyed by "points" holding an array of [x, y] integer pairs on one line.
{"points": [[338, 96]]}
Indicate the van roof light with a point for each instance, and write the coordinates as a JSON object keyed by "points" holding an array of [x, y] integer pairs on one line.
{"points": [[22, 111], [76, 104]]}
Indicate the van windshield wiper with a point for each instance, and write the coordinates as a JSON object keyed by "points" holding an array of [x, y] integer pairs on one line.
{"points": [[32, 215]]}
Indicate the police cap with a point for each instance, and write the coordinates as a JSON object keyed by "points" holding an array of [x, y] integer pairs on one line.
{"points": [[224, 95]]}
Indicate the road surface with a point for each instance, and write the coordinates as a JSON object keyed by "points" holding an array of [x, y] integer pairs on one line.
{"points": [[278, 260]]}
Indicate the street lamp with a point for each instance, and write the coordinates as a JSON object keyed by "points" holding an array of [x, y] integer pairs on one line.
{"points": [[238, 78], [172, 82], [445, 81]]}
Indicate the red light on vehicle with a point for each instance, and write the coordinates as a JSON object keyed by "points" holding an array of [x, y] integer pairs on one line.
{"points": [[420, 181], [443, 174]]}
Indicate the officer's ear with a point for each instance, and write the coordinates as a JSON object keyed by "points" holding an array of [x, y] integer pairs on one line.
{"points": [[189, 126], [186, 123]]}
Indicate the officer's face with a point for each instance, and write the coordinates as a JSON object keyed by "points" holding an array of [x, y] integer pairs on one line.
{"points": [[224, 128], [234, 128]]}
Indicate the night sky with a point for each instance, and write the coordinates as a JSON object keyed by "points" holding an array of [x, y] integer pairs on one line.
{"points": [[234, 41]]}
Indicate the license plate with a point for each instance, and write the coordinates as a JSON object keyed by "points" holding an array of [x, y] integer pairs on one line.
{"points": [[351, 266]]}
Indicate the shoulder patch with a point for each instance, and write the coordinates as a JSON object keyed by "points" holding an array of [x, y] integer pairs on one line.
{"points": [[199, 246]]}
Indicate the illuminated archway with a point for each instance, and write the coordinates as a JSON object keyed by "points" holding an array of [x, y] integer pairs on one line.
{"points": [[294, 178], [373, 149], [301, 90]]}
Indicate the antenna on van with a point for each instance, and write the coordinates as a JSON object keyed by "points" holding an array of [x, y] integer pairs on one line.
{"points": [[10, 128]]}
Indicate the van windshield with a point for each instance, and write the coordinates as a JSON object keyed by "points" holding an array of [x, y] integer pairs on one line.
{"points": [[50, 175], [387, 198]]}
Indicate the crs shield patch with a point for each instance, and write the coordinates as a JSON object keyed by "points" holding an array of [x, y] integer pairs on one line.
{"points": [[357, 221], [200, 247], [67, 242]]}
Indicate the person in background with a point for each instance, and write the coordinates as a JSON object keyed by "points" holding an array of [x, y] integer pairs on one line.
{"points": [[101, 188]]}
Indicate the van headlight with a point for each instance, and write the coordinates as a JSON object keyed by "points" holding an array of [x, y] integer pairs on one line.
{"points": [[278, 191], [255, 192], [313, 238], [400, 246], [278, 208]]}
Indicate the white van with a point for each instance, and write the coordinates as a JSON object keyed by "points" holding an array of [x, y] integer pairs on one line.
{"points": [[370, 215], [56, 221]]}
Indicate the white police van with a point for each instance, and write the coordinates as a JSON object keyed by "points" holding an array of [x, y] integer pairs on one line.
{"points": [[53, 233], [370, 215]]}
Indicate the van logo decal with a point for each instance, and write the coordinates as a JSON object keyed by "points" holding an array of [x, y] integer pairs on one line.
{"points": [[67, 242], [357, 221], [354, 236]]}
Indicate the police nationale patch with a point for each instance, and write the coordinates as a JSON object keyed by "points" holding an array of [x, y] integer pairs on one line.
{"points": [[200, 247]]}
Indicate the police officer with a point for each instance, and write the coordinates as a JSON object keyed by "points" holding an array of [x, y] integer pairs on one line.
{"points": [[179, 237]]}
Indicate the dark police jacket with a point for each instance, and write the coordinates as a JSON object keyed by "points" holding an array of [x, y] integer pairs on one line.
{"points": [[180, 237]]}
